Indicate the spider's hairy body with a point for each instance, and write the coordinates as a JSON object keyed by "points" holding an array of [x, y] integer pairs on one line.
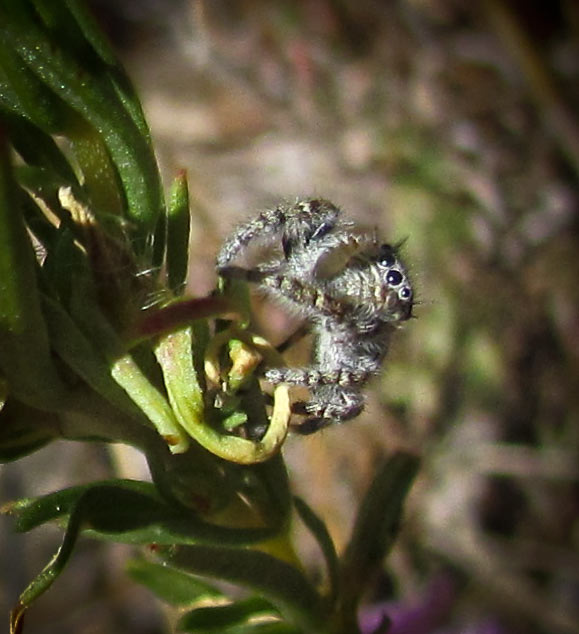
{"points": [[353, 291]]}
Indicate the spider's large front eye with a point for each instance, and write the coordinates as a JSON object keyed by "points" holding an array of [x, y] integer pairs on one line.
{"points": [[386, 255], [394, 278]]}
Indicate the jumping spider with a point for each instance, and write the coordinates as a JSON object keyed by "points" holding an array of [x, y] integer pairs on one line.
{"points": [[352, 291]]}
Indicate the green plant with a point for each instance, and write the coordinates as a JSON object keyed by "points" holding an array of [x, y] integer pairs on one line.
{"points": [[86, 238]]}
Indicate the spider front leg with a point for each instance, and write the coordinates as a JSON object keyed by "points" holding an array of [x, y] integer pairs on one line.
{"points": [[305, 298], [315, 301], [297, 224]]}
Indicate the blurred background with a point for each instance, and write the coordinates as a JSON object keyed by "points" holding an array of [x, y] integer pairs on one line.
{"points": [[447, 124]]}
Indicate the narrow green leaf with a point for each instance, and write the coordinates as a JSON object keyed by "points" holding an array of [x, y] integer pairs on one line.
{"points": [[266, 627], [320, 532], [173, 586], [32, 512], [282, 584], [379, 515], [100, 175], [131, 512], [151, 401], [124, 370], [375, 528], [84, 358], [174, 354], [68, 19], [218, 618], [23, 94], [178, 227], [42, 582], [273, 476], [23, 429], [38, 148], [118, 77], [25, 357], [111, 508], [63, 255]]}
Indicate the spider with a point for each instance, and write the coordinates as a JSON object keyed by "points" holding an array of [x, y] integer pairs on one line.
{"points": [[352, 291]]}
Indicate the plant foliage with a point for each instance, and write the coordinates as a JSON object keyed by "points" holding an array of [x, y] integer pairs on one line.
{"points": [[86, 239]]}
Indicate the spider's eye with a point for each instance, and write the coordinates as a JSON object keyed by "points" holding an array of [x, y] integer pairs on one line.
{"points": [[386, 255], [394, 277], [405, 293]]}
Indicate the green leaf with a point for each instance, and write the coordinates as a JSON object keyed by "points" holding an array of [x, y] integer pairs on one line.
{"points": [[119, 78], [174, 354], [375, 530], [32, 512], [18, 446], [124, 511], [24, 429], [100, 174], [38, 149], [84, 84], [113, 508], [320, 532], [62, 256], [273, 477], [218, 618], [178, 227], [23, 94], [151, 401], [173, 586], [379, 515], [285, 586], [25, 357], [122, 367], [131, 512], [268, 627], [82, 356]]}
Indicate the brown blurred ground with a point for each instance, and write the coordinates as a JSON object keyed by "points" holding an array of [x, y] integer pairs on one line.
{"points": [[450, 124]]}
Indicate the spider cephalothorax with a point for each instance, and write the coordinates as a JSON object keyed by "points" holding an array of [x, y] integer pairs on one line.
{"points": [[352, 290]]}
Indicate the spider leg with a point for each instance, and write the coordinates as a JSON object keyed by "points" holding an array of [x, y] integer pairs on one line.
{"points": [[314, 376], [328, 405], [296, 336], [255, 275], [298, 224], [303, 295], [311, 426], [306, 298]]}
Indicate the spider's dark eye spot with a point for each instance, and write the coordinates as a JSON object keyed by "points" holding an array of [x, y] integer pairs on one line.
{"points": [[394, 278], [386, 255], [405, 293]]}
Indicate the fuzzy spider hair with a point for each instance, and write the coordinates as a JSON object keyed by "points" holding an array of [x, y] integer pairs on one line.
{"points": [[352, 290]]}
